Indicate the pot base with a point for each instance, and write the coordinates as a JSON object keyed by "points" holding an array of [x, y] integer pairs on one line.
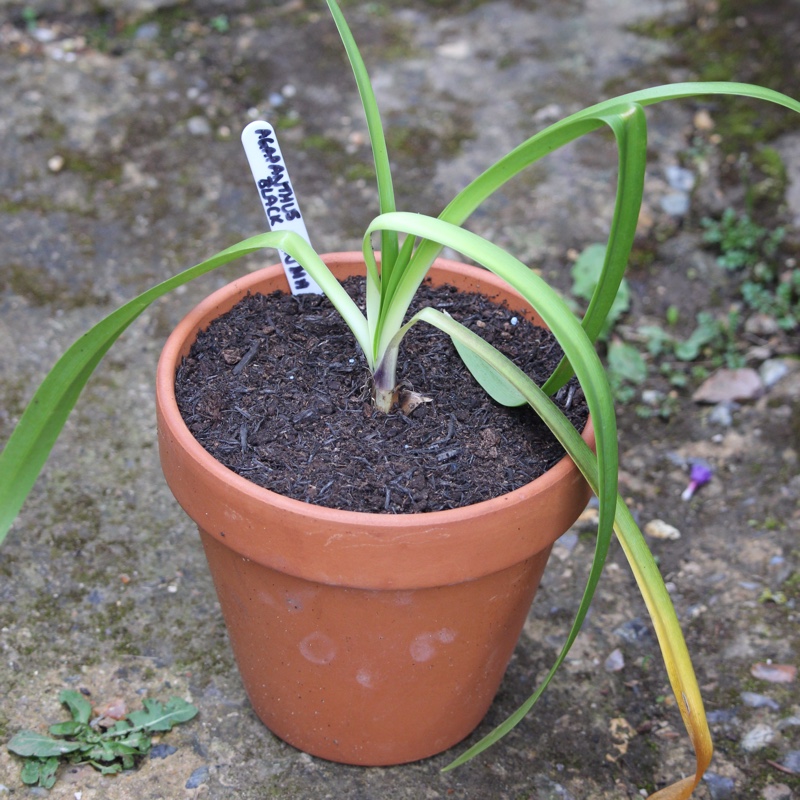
{"points": [[370, 677]]}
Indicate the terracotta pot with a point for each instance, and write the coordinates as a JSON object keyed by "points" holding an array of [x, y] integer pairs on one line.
{"points": [[363, 638]]}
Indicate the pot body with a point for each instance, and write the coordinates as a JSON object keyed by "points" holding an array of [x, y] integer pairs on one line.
{"points": [[364, 638]]}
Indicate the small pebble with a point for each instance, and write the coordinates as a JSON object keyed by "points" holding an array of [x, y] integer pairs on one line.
{"points": [[719, 787], [679, 178], [44, 35], [565, 545], [755, 700], [458, 50], [722, 414], [774, 673], [162, 750], [633, 631], [658, 529], [776, 791], [764, 325], [703, 120], [198, 126], [615, 661], [772, 371], [789, 722], [652, 397], [721, 715], [676, 204], [199, 776], [147, 32], [791, 761], [157, 77], [55, 163], [729, 385], [758, 738], [95, 597]]}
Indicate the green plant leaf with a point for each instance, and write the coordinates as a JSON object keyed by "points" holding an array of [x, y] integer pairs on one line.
{"points": [[39, 771], [69, 728], [659, 604], [30, 743], [43, 419], [158, 716], [587, 273], [109, 750], [707, 331], [586, 270], [492, 382], [658, 341], [108, 768], [79, 706], [380, 154], [625, 361]]}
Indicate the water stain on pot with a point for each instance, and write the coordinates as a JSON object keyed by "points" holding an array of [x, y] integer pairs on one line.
{"points": [[423, 647], [318, 648]]}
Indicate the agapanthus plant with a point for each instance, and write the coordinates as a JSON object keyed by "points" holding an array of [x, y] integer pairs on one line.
{"points": [[391, 282]]}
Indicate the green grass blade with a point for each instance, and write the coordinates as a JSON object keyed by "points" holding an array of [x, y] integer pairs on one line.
{"points": [[629, 126], [582, 122], [552, 309], [35, 434], [657, 599], [581, 354], [561, 428], [470, 198], [563, 132], [380, 154]]}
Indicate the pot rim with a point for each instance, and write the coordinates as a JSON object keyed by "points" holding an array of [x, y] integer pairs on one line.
{"points": [[358, 549], [209, 308]]}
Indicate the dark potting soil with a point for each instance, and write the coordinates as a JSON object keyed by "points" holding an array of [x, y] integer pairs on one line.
{"points": [[278, 391]]}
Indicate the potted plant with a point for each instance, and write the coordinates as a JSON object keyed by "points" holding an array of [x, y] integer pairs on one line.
{"points": [[281, 569]]}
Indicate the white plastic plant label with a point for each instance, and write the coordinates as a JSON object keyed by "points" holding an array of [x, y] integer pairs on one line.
{"points": [[277, 197]]}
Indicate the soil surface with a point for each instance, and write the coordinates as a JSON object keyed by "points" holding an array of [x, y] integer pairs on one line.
{"points": [[277, 390], [120, 165]]}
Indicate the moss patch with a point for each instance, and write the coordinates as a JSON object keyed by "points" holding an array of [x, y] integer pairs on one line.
{"points": [[742, 40]]}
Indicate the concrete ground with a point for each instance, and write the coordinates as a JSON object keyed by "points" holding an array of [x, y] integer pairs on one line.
{"points": [[120, 165]]}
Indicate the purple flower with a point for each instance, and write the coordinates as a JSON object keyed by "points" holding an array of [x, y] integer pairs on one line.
{"points": [[701, 473]]}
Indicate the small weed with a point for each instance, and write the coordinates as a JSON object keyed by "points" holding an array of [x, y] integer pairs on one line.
{"points": [[742, 242], [752, 251], [711, 344], [29, 17], [748, 251], [220, 23], [780, 300], [109, 749], [585, 274]]}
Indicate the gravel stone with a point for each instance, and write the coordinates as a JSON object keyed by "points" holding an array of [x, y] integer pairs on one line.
{"points": [[719, 787], [77, 242], [791, 761], [759, 701], [758, 738]]}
